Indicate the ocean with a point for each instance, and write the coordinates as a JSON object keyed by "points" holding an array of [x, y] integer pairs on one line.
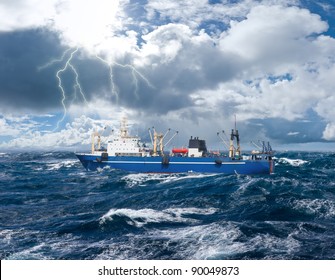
{"points": [[52, 208]]}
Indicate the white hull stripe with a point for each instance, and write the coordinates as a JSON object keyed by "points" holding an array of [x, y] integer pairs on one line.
{"points": [[158, 162]]}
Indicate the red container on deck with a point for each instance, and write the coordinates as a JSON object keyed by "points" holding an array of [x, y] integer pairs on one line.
{"points": [[179, 150]]}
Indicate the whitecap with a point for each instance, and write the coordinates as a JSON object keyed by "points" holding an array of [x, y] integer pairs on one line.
{"points": [[43, 245], [32, 253], [190, 175], [62, 164], [319, 207], [140, 179], [144, 216], [6, 236], [191, 242], [273, 245], [102, 169], [293, 162]]}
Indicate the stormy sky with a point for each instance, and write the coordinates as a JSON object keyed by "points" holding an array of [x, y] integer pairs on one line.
{"points": [[69, 67]]}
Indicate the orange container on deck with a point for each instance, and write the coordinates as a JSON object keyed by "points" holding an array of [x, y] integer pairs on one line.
{"points": [[179, 150]]}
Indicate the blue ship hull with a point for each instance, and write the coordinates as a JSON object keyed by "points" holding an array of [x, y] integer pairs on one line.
{"points": [[177, 164]]}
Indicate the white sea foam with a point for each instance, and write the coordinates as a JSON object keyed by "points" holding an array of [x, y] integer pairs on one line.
{"points": [[100, 170], [293, 162], [144, 216], [192, 242], [141, 179], [187, 176], [212, 241], [61, 164], [32, 253], [6, 236], [44, 245], [9, 237], [245, 183], [319, 207], [273, 245]]}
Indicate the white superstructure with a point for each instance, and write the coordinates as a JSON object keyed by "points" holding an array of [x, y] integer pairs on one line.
{"points": [[124, 144]]}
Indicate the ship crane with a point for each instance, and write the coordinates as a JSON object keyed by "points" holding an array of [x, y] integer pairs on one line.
{"points": [[234, 152], [173, 136], [265, 148], [257, 146], [152, 141], [223, 140], [157, 140], [98, 135]]}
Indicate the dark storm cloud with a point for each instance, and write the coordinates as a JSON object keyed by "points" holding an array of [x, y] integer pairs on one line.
{"points": [[25, 86], [22, 85], [194, 68]]}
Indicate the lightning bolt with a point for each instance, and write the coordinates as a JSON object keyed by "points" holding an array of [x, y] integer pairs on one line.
{"points": [[54, 61], [134, 73], [77, 86], [67, 65], [113, 87], [67, 59]]}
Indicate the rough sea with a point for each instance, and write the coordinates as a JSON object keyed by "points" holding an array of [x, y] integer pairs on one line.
{"points": [[52, 208]]}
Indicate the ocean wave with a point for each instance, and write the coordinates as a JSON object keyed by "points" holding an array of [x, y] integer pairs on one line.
{"points": [[141, 179], [187, 176], [103, 169], [145, 216], [212, 241], [24, 244], [11, 237], [62, 164], [54, 209], [192, 242], [274, 246], [6, 235], [319, 207], [292, 162], [32, 253], [4, 177]]}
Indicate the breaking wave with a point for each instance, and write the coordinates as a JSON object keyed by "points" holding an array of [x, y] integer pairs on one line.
{"points": [[319, 207], [292, 162], [142, 179], [145, 216], [63, 164]]}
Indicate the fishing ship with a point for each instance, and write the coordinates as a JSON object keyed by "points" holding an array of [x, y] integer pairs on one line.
{"points": [[129, 153]]}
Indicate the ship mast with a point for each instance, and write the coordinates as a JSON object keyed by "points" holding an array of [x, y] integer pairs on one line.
{"points": [[158, 138], [123, 127], [95, 134], [234, 134]]}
